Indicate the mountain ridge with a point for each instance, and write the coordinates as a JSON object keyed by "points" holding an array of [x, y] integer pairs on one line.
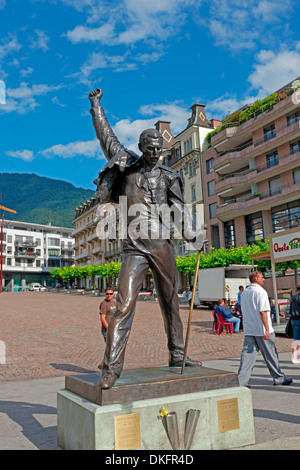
{"points": [[40, 199]]}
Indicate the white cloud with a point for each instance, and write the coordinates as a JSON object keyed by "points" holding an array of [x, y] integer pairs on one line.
{"points": [[128, 132], [40, 40], [55, 100], [2, 4], [26, 72], [9, 47], [23, 98], [274, 70], [104, 34], [129, 21], [98, 61], [26, 155], [88, 149], [242, 24]]}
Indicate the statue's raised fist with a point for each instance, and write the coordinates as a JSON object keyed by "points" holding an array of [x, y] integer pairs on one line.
{"points": [[95, 95]]}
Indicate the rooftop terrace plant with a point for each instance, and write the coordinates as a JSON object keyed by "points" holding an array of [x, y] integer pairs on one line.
{"points": [[252, 111]]}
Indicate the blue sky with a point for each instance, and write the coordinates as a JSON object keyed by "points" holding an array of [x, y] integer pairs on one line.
{"points": [[153, 60]]}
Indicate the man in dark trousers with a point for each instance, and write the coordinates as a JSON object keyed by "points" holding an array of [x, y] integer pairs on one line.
{"points": [[142, 180]]}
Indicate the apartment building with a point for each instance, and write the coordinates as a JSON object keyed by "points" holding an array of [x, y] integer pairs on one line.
{"points": [[30, 250], [251, 173], [182, 153], [90, 249]]}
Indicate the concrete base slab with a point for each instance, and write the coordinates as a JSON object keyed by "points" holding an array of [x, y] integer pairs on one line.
{"points": [[226, 421], [150, 382]]}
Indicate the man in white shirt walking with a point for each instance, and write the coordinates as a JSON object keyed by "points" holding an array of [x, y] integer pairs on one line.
{"points": [[259, 333]]}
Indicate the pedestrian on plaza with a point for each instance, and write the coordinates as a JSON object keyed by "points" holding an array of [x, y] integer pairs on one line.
{"points": [[295, 321], [106, 309], [273, 309], [227, 315], [259, 333], [241, 290]]}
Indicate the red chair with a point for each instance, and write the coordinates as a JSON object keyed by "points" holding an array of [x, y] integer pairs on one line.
{"points": [[222, 323], [215, 322]]}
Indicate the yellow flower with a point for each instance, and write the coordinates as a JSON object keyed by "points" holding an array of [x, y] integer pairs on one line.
{"points": [[164, 411]]}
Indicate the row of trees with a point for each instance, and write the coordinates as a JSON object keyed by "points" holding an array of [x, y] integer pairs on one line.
{"points": [[185, 264]]}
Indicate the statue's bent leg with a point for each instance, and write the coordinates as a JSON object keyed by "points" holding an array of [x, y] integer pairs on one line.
{"points": [[132, 273]]}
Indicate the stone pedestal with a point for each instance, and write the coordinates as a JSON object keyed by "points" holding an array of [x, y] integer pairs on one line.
{"points": [[89, 418]]}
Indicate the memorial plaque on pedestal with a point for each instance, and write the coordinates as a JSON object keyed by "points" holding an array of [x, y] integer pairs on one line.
{"points": [[152, 382]]}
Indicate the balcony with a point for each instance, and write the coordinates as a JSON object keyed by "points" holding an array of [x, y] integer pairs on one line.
{"points": [[25, 254], [232, 183], [84, 255], [263, 201], [236, 158], [242, 130], [97, 249], [25, 244]]}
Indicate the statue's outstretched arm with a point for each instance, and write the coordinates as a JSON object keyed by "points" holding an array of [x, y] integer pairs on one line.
{"points": [[108, 141]]}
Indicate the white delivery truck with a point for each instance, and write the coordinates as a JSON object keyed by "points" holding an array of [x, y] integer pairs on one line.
{"points": [[219, 283]]}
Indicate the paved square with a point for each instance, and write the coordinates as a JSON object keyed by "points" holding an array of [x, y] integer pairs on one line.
{"points": [[47, 335]]}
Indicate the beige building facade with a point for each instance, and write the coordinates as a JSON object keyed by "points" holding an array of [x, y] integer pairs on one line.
{"points": [[182, 153]]}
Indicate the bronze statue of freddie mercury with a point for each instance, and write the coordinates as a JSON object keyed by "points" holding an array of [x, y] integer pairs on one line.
{"points": [[143, 180]]}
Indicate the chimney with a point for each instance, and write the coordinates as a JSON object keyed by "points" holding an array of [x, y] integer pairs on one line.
{"points": [[199, 117], [164, 128], [215, 123]]}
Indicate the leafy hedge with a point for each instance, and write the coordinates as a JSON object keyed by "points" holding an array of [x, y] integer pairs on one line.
{"points": [[185, 264]]}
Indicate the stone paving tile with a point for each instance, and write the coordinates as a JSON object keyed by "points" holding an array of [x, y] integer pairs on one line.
{"points": [[48, 335]]}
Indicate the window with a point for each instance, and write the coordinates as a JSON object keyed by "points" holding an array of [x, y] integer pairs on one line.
{"points": [[181, 174], [296, 176], [53, 263], [229, 234], [294, 147], [209, 166], [254, 227], [53, 241], [269, 132], [194, 215], [193, 192], [272, 159], [286, 216], [212, 210], [192, 169], [275, 186], [53, 253], [187, 145], [211, 187], [292, 118]]}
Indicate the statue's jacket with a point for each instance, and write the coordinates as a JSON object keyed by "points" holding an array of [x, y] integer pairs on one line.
{"points": [[124, 175]]}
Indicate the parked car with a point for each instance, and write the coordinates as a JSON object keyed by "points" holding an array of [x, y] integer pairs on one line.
{"points": [[37, 286]]}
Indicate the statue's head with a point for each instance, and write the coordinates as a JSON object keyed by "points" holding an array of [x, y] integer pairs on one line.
{"points": [[150, 144]]}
